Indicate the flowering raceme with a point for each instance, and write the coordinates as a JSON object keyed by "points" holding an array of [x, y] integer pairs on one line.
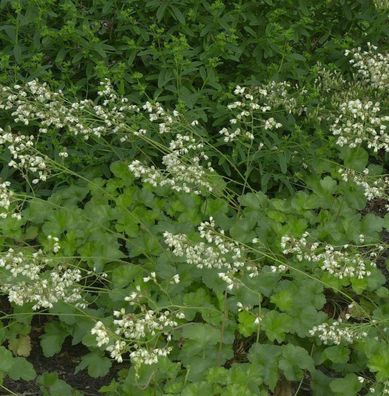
{"points": [[360, 122], [7, 202], [376, 187], [341, 263], [25, 157], [253, 106], [337, 333], [214, 252], [184, 171], [27, 280], [34, 101], [371, 66], [144, 334]]}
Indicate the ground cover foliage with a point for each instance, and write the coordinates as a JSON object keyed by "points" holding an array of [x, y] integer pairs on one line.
{"points": [[194, 197]]}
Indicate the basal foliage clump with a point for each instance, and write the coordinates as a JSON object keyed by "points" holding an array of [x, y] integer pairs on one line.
{"points": [[298, 280], [237, 248]]}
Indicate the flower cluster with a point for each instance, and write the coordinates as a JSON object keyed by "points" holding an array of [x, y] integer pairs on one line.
{"points": [[253, 106], [215, 251], [158, 114], [55, 243], [183, 169], [360, 122], [341, 263], [338, 332], [25, 156], [27, 281], [371, 66], [139, 334], [16, 264], [7, 200], [376, 188], [35, 101], [101, 333], [110, 115]]}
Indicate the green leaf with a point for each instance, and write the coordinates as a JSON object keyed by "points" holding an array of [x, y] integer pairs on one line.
{"points": [[37, 211], [17, 50], [246, 323], [161, 11], [20, 346], [266, 358], [386, 221], [276, 325], [253, 200], [6, 359], [372, 224], [178, 15], [51, 385], [204, 334], [284, 299], [349, 385], [328, 184], [265, 283], [124, 274], [201, 388], [379, 363], [337, 354], [294, 360], [51, 341], [97, 364], [22, 369], [355, 158], [199, 298], [320, 384]]}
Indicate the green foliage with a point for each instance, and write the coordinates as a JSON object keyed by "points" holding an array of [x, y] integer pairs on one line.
{"points": [[255, 336], [15, 367], [96, 364], [51, 385], [51, 341], [186, 50]]}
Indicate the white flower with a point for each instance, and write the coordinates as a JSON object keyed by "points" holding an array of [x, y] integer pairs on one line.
{"points": [[101, 333], [215, 251], [360, 122], [176, 278], [30, 282], [374, 187], [371, 66], [339, 262], [133, 330], [337, 333], [7, 202], [183, 173]]}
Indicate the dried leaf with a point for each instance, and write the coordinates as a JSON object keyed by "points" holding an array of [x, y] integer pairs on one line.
{"points": [[20, 346]]}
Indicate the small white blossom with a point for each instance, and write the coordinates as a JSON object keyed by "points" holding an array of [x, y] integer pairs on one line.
{"points": [[360, 122], [182, 172], [373, 187], [29, 281], [337, 333], [341, 263], [132, 330], [371, 66]]}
